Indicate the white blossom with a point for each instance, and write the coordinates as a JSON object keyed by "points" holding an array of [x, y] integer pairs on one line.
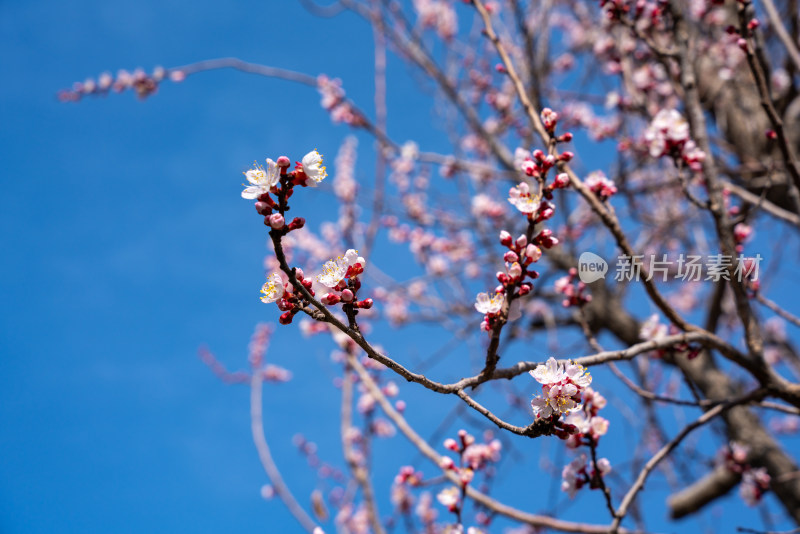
{"points": [[272, 289], [485, 304], [449, 497], [261, 180], [334, 271], [521, 197], [312, 167]]}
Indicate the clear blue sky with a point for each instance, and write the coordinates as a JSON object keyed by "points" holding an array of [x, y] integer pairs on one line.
{"points": [[126, 246]]}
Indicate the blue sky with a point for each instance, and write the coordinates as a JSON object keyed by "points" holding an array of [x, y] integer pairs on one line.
{"points": [[127, 247]]}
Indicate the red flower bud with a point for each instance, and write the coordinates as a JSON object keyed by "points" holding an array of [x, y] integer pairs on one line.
{"points": [[263, 208], [286, 318], [297, 223]]}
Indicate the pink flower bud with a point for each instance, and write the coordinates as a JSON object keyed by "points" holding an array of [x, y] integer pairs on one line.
{"points": [[451, 445], [347, 295], [364, 304], [276, 221], [286, 317], [515, 270], [510, 256], [297, 223], [283, 162], [522, 241], [742, 43], [505, 238], [330, 299], [466, 476], [566, 156], [447, 463], [533, 252], [562, 180], [741, 232], [263, 208]]}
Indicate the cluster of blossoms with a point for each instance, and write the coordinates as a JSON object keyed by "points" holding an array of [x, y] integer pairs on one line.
{"points": [[589, 426], [755, 481], [142, 83], [574, 291], [561, 388], [437, 14], [276, 180], [526, 249], [668, 135], [578, 474], [473, 457], [279, 181], [513, 282], [289, 301], [335, 103], [341, 277]]}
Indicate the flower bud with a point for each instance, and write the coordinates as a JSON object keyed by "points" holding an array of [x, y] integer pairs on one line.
{"points": [[522, 241], [450, 444], [286, 317], [283, 162], [562, 180], [276, 221], [364, 304], [505, 238], [330, 299], [297, 223], [510, 256], [263, 208], [533, 252]]}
